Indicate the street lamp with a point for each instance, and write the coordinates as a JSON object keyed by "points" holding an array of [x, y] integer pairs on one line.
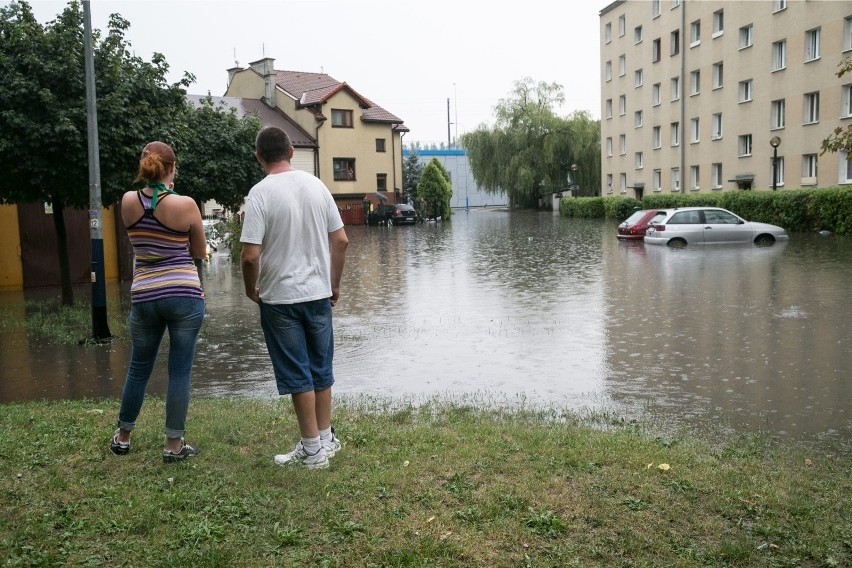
{"points": [[775, 142], [573, 178]]}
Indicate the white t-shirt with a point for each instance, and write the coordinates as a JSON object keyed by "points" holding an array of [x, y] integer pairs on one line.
{"points": [[290, 215]]}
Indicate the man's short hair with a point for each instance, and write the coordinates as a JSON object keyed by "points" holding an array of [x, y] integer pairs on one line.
{"points": [[272, 145]]}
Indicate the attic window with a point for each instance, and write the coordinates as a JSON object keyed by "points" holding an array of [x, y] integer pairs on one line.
{"points": [[341, 118]]}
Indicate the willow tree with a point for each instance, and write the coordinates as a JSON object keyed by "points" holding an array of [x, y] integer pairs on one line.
{"points": [[529, 151]]}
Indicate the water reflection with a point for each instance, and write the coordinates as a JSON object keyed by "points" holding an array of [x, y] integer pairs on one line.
{"points": [[534, 307]]}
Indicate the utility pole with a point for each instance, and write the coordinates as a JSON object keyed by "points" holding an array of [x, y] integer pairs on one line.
{"points": [[448, 122], [100, 327]]}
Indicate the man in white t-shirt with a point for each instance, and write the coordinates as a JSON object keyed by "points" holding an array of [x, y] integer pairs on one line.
{"points": [[294, 247]]}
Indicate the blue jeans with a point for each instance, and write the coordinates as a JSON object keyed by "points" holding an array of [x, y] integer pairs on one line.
{"points": [[300, 341], [148, 323]]}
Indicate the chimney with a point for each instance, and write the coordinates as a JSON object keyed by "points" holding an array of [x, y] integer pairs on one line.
{"points": [[266, 68]]}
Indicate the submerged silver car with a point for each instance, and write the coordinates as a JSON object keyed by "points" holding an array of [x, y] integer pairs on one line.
{"points": [[707, 226]]}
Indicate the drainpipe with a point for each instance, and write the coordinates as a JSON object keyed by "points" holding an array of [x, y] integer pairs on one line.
{"points": [[316, 151], [393, 155], [682, 95]]}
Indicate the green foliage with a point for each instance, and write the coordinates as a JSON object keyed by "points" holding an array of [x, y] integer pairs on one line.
{"points": [[585, 207], [232, 231], [840, 140], [434, 191], [52, 323], [412, 169], [620, 208], [530, 150]]}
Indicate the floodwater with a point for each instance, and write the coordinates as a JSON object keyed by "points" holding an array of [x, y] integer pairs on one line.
{"points": [[529, 308]]}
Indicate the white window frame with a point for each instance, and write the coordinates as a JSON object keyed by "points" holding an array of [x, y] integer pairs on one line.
{"points": [[694, 82], [675, 4], [744, 145], [608, 70], [718, 75], [674, 132], [847, 33], [608, 108], [622, 144], [780, 163], [746, 36], [622, 25], [622, 105], [675, 179], [637, 35], [655, 8], [694, 178], [718, 23], [609, 146], [716, 125], [778, 5], [810, 168], [638, 78], [674, 43], [656, 50], [674, 85], [695, 130], [609, 183], [656, 94], [638, 160], [695, 33], [745, 92], [812, 44], [779, 55], [844, 172], [716, 175], [657, 138], [846, 101], [657, 180], [608, 32], [811, 108], [637, 119], [623, 182], [778, 114], [622, 65]]}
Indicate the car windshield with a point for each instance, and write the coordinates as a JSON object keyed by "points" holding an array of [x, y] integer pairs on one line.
{"points": [[635, 217]]}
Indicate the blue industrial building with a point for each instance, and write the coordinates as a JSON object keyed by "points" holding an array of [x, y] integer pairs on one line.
{"points": [[465, 191]]}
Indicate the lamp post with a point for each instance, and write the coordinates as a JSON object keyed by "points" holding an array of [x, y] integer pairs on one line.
{"points": [[573, 179], [775, 142]]}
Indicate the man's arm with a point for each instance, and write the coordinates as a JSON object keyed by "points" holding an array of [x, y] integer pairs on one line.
{"points": [[250, 262], [338, 242]]}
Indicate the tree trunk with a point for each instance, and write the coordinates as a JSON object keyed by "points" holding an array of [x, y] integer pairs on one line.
{"points": [[62, 251]]}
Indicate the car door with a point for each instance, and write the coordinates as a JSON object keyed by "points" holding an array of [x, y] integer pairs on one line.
{"points": [[686, 225], [723, 227]]}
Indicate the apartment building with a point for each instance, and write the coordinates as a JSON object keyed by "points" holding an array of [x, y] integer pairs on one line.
{"points": [[695, 92]]}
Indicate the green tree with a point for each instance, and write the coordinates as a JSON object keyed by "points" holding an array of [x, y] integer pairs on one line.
{"points": [[412, 169], [215, 150], [840, 139], [530, 150], [43, 129], [434, 191]]}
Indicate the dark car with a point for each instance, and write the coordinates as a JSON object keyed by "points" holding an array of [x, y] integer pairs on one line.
{"points": [[635, 226], [392, 214]]}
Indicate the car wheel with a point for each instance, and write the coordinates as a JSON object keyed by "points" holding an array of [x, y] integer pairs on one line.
{"points": [[764, 240], [677, 243]]}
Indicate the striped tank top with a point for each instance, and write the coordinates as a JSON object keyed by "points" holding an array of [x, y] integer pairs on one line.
{"points": [[163, 267]]}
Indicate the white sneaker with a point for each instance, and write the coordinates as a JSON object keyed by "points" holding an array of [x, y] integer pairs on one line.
{"points": [[333, 445], [299, 457]]}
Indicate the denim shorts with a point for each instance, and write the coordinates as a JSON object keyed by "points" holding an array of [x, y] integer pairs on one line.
{"points": [[300, 341]]}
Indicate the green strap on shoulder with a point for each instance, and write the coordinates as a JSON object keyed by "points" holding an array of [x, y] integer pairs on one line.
{"points": [[158, 187]]}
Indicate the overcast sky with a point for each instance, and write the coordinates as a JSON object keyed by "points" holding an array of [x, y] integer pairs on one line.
{"points": [[408, 57]]}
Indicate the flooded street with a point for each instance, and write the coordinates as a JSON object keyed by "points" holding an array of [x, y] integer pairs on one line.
{"points": [[532, 308]]}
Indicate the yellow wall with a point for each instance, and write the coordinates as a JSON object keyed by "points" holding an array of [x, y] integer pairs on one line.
{"points": [[11, 272]]}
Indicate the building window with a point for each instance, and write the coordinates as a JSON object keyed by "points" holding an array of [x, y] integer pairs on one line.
{"points": [[847, 33], [608, 70], [778, 169], [718, 75], [622, 144], [675, 133], [716, 126], [609, 108], [638, 77], [846, 101], [716, 175], [622, 25], [381, 182], [779, 55], [675, 87], [639, 161], [609, 183], [718, 23], [622, 65], [694, 177], [637, 119], [778, 5], [845, 172], [695, 130], [675, 4], [609, 147], [380, 145], [812, 44], [656, 137], [655, 8], [341, 118], [811, 108], [674, 48], [694, 82], [746, 37], [656, 50], [744, 145], [344, 169], [607, 32], [658, 180], [745, 89], [809, 168], [777, 115], [622, 105], [695, 33], [675, 179], [637, 34], [623, 182]]}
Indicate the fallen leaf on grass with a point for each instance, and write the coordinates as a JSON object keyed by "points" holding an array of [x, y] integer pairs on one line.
{"points": [[808, 461], [445, 534], [406, 463], [649, 466], [430, 519], [95, 411], [664, 467]]}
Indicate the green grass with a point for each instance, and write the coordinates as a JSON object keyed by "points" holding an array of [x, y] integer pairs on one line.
{"points": [[441, 484], [48, 320]]}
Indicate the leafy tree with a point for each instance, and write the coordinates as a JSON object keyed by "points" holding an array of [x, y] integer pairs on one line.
{"points": [[43, 128], [840, 139], [529, 151], [215, 151], [412, 169], [434, 191]]}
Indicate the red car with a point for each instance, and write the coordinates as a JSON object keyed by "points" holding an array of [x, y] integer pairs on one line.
{"points": [[633, 228]]}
